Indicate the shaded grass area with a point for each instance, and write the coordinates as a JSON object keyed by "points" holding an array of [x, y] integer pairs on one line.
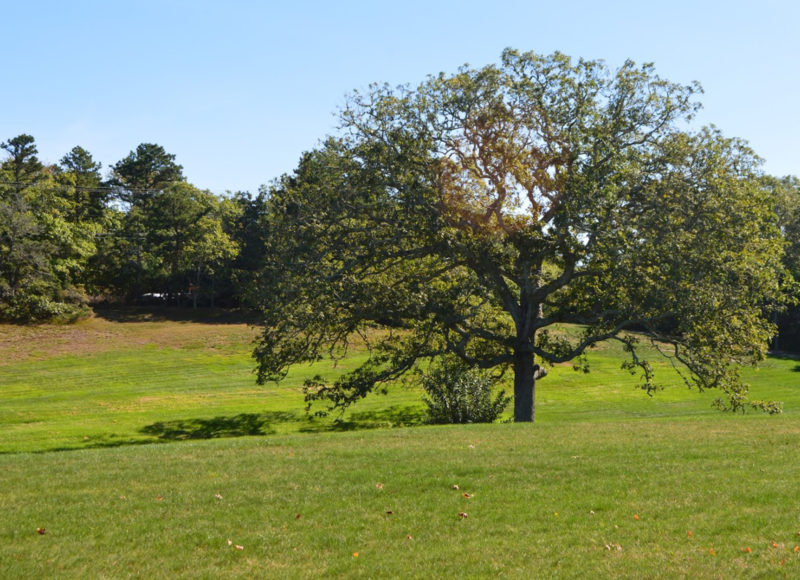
{"points": [[712, 497]]}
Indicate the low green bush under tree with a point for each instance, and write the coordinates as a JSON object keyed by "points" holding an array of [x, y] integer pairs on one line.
{"points": [[457, 394]]}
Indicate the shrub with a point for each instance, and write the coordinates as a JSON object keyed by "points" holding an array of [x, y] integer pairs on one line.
{"points": [[458, 394]]}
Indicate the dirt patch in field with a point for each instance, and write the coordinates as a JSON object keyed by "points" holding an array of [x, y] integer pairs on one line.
{"points": [[100, 334]]}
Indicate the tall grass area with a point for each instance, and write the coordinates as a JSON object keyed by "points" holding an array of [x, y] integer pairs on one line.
{"points": [[608, 481]]}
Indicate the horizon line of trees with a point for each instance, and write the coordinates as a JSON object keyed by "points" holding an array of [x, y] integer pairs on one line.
{"points": [[70, 236], [143, 234]]}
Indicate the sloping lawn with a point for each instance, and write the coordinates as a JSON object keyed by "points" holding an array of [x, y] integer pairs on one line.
{"points": [[608, 482]]}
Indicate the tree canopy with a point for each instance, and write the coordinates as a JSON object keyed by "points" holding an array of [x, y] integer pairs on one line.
{"points": [[476, 213]]}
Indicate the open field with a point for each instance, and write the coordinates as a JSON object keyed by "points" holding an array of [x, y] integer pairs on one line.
{"points": [[135, 378], [608, 482]]}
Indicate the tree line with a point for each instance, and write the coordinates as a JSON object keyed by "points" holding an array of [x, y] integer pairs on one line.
{"points": [[70, 235]]}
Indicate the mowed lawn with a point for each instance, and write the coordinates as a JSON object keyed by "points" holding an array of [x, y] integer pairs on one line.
{"points": [[608, 481]]}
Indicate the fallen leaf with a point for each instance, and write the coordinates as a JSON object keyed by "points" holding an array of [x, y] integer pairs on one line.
{"points": [[159, 498], [298, 516], [797, 548], [783, 562], [712, 552], [636, 517], [355, 554], [379, 485], [747, 549], [774, 544], [41, 531], [555, 514], [238, 547], [690, 534], [463, 514], [466, 495]]}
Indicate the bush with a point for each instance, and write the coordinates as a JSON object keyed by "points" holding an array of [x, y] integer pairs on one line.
{"points": [[458, 394]]}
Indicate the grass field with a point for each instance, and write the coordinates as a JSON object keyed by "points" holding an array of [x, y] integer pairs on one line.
{"points": [[608, 481]]}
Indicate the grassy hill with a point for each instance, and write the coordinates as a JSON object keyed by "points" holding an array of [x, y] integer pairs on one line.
{"points": [[608, 481]]}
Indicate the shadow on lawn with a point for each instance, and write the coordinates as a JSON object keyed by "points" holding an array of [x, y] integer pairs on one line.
{"points": [[173, 314], [394, 416], [237, 426], [248, 424]]}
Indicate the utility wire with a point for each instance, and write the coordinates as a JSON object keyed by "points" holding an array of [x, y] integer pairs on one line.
{"points": [[96, 189]]}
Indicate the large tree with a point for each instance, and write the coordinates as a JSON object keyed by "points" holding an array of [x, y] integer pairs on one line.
{"points": [[479, 211]]}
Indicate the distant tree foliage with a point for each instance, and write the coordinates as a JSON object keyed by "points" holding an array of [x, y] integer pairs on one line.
{"points": [[22, 169], [144, 172], [40, 251], [65, 238], [83, 186]]}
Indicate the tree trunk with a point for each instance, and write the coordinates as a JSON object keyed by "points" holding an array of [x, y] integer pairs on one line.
{"points": [[524, 386]]}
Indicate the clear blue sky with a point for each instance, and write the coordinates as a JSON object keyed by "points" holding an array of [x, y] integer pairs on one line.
{"points": [[237, 90]]}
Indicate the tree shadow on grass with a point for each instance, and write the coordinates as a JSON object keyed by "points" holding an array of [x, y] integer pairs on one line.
{"points": [[252, 424], [173, 314], [394, 416], [249, 424], [242, 425]]}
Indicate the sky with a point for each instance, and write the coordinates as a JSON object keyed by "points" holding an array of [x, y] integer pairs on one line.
{"points": [[238, 90]]}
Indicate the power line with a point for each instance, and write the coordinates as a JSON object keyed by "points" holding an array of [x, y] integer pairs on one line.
{"points": [[98, 188]]}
